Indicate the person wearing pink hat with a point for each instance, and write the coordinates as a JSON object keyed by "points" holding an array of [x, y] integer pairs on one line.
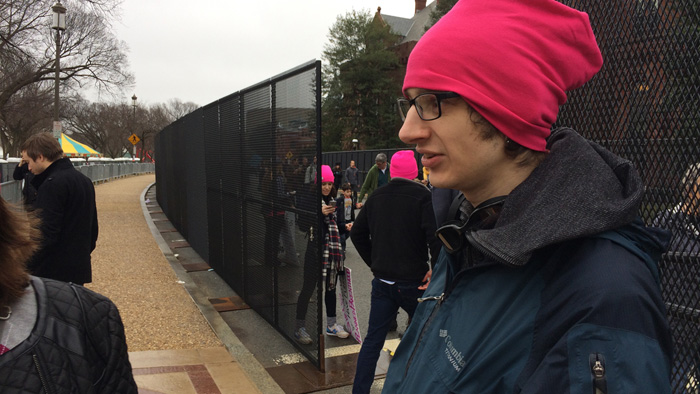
{"points": [[333, 259], [548, 282], [393, 234]]}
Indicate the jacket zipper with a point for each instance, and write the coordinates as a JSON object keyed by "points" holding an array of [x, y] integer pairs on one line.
{"points": [[44, 380], [431, 298], [439, 299], [597, 363], [449, 285]]}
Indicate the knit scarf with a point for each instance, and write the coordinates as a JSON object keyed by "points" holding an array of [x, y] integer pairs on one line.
{"points": [[333, 258]]}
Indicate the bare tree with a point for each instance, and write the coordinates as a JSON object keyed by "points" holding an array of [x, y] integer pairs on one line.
{"points": [[104, 126], [107, 126], [176, 109], [27, 112], [151, 120], [90, 53]]}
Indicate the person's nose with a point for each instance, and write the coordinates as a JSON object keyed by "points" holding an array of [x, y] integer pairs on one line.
{"points": [[414, 129]]}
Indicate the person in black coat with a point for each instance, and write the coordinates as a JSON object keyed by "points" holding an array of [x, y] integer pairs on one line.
{"points": [[22, 173], [337, 176], [395, 235], [66, 205]]}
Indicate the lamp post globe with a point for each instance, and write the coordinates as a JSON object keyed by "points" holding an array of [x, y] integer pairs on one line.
{"points": [[59, 16]]}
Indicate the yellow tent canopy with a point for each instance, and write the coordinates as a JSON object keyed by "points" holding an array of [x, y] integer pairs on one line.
{"points": [[73, 148]]}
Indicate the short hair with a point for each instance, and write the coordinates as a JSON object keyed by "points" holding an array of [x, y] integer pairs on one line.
{"points": [[523, 156], [691, 176], [345, 186], [381, 157], [44, 144]]}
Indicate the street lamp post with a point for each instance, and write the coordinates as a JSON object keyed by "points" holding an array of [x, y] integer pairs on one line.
{"points": [[58, 24], [133, 100], [354, 143]]}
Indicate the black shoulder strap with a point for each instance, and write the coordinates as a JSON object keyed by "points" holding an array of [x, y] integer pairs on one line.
{"points": [[453, 212]]}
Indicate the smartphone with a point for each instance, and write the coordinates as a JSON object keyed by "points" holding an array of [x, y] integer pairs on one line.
{"points": [[332, 203]]}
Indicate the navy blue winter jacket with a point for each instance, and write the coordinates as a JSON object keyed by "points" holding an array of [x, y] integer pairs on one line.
{"points": [[559, 294]]}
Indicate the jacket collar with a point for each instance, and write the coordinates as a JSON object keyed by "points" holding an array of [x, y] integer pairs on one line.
{"points": [[58, 165], [580, 189]]}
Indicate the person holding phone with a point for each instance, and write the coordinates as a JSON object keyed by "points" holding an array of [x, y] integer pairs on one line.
{"points": [[22, 173], [333, 259]]}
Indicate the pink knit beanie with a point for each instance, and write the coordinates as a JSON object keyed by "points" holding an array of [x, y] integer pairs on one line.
{"points": [[511, 60], [403, 165], [327, 174]]}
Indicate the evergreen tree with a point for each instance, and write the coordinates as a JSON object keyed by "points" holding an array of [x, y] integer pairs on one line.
{"points": [[440, 10], [359, 94]]}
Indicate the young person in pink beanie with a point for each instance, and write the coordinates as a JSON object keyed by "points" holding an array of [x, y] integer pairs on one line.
{"points": [[333, 259], [393, 234], [548, 283]]}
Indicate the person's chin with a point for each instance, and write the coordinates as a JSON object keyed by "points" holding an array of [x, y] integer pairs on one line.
{"points": [[436, 180]]}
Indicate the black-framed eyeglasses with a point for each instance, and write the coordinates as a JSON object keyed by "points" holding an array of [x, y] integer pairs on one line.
{"points": [[427, 104]]}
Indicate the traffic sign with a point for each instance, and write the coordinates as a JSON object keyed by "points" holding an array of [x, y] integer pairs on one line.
{"points": [[134, 139]]}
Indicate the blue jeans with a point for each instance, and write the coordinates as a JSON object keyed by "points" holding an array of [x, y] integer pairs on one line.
{"points": [[385, 303]]}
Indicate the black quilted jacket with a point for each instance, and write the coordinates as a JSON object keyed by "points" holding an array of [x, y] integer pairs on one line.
{"points": [[77, 346]]}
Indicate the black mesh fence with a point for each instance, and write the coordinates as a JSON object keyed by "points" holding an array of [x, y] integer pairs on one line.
{"points": [[234, 177], [643, 105]]}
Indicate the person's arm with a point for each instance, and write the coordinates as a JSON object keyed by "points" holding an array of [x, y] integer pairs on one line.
{"points": [[21, 169], [367, 184], [95, 230], [429, 226], [340, 214], [280, 189], [50, 204], [307, 175], [434, 244], [360, 236]]}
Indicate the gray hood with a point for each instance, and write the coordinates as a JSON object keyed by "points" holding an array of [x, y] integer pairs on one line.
{"points": [[580, 189]]}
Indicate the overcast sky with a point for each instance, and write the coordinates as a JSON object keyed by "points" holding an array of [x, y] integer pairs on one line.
{"points": [[201, 51]]}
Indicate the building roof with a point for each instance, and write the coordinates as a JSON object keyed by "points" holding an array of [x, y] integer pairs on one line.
{"points": [[410, 29]]}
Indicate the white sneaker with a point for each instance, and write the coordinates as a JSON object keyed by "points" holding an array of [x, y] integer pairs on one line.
{"points": [[302, 336], [337, 330]]}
